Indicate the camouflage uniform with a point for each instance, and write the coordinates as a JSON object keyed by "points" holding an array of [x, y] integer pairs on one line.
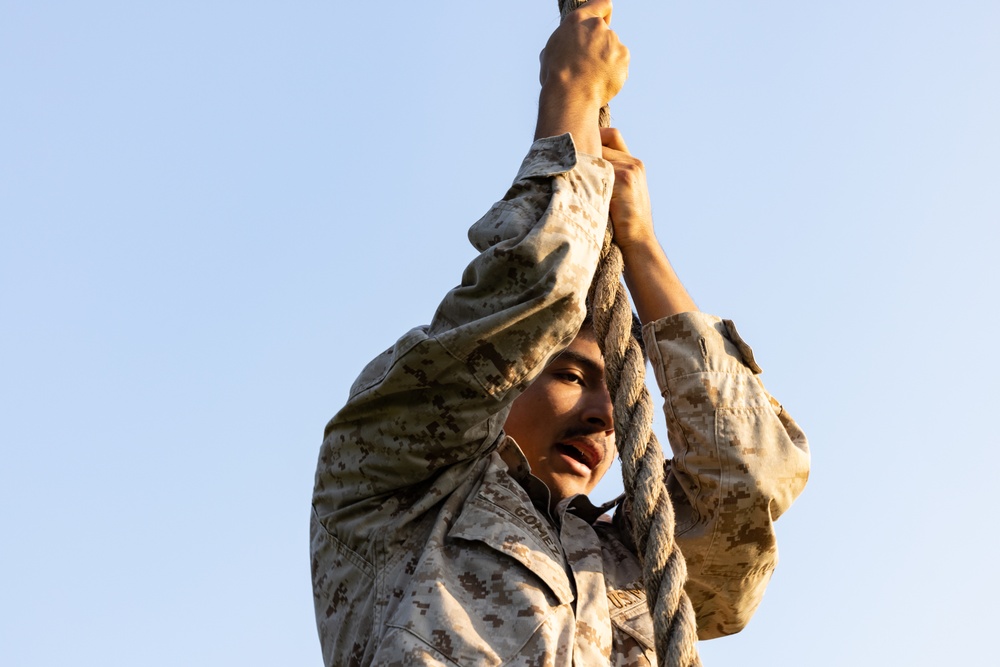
{"points": [[431, 542]]}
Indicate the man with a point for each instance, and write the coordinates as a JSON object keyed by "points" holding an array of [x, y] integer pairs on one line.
{"points": [[450, 518]]}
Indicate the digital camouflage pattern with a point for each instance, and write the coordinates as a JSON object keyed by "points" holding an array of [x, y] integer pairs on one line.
{"points": [[432, 543]]}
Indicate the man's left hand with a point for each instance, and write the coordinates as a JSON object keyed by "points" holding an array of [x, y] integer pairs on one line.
{"points": [[631, 212]]}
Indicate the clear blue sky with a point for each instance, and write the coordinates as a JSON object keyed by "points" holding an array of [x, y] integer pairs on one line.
{"points": [[212, 213]]}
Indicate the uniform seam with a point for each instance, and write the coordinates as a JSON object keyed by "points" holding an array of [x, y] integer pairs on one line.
{"points": [[381, 594], [424, 641], [725, 481], [743, 574], [706, 371], [682, 433], [356, 559]]}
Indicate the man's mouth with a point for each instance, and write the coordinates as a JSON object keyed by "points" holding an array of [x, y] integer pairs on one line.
{"points": [[584, 450]]}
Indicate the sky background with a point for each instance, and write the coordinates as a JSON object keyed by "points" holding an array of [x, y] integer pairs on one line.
{"points": [[213, 213]]}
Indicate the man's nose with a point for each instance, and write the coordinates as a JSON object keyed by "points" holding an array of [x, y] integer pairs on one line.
{"points": [[599, 410]]}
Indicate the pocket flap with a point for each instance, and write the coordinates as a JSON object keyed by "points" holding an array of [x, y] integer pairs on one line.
{"points": [[630, 614], [502, 517]]}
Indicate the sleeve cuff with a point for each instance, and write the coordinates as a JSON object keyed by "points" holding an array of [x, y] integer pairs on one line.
{"points": [[696, 343], [550, 156]]}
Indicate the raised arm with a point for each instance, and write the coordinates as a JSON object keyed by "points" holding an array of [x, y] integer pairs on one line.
{"points": [[655, 289], [583, 66], [739, 460], [434, 404]]}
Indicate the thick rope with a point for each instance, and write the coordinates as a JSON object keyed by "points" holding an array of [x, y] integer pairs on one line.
{"points": [[652, 514]]}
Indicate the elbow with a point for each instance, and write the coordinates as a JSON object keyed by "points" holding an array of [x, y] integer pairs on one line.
{"points": [[726, 605]]}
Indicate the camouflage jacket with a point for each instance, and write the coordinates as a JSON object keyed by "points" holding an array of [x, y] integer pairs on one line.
{"points": [[431, 542]]}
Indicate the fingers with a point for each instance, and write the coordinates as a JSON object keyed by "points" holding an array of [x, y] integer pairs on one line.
{"points": [[612, 138], [630, 172], [595, 8], [584, 58], [614, 150]]}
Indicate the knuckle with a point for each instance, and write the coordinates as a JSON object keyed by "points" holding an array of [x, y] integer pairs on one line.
{"points": [[631, 166]]}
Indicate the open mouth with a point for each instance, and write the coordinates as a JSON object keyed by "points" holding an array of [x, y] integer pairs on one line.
{"points": [[582, 453]]}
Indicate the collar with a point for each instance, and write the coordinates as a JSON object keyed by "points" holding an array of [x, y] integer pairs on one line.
{"points": [[520, 470]]}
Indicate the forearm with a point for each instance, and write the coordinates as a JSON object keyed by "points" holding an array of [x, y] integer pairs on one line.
{"points": [[656, 290], [562, 109], [739, 462], [582, 67]]}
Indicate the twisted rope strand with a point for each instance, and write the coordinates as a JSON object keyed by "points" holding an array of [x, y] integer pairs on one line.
{"points": [[652, 514]]}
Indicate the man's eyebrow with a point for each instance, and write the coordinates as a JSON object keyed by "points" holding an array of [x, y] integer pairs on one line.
{"points": [[589, 365]]}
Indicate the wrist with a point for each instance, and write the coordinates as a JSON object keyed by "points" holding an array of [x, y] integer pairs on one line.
{"points": [[562, 110], [567, 92], [656, 290], [640, 250]]}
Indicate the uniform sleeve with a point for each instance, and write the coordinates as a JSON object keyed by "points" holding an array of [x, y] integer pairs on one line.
{"points": [[438, 398], [739, 462]]}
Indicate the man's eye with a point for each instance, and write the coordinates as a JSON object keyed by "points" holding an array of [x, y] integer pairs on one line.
{"points": [[570, 377]]}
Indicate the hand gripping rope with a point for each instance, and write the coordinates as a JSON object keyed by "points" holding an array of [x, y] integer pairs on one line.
{"points": [[663, 569]]}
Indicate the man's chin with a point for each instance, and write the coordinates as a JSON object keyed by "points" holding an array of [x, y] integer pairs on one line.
{"points": [[561, 489]]}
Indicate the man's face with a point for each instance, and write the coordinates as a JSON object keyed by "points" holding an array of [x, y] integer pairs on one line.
{"points": [[563, 421]]}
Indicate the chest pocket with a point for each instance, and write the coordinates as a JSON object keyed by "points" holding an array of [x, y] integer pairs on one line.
{"points": [[494, 588], [501, 517], [632, 627]]}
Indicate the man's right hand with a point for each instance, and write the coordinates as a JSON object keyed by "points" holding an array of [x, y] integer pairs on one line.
{"points": [[656, 290], [583, 66]]}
